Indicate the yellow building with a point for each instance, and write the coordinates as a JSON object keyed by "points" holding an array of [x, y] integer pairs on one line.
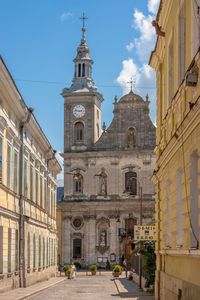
{"points": [[28, 169], [176, 59]]}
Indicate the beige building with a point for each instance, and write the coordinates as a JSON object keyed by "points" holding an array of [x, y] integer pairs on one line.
{"points": [[28, 171], [176, 59], [104, 172]]}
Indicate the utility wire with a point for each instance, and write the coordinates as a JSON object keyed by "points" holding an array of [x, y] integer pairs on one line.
{"points": [[64, 83]]}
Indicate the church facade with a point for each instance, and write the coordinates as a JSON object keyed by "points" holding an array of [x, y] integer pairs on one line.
{"points": [[107, 172]]}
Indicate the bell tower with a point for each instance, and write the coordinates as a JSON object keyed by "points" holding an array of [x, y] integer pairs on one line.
{"points": [[82, 103]]}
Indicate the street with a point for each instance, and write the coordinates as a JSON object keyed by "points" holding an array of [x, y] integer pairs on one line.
{"points": [[82, 287]]}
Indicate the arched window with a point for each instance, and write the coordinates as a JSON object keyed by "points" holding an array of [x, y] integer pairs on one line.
{"points": [[131, 183], [77, 248], [79, 70], [83, 70], [78, 184], [79, 132]]}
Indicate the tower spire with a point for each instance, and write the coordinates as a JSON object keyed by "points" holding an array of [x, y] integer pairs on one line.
{"points": [[83, 18], [83, 64]]}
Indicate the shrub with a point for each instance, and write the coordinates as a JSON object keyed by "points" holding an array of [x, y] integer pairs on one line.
{"points": [[93, 268], [117, 268], [67, 269]]}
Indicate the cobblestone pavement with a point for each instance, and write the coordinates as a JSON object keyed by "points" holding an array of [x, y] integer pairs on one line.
{"points": [[81, 288]]}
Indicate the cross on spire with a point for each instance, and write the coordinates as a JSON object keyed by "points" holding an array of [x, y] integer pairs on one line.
{"points": [[83, 18], [131, 82]]}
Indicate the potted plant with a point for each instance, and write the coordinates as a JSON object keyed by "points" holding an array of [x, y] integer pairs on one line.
{"points": [[117, 271], [68, 270], [93, 269]]}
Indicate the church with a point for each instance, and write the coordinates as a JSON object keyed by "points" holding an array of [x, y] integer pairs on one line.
{"points": [[107, 171]]}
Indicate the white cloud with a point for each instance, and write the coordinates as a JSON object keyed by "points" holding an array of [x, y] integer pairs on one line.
{"points": [[144, 78], [129, 70], [130, 46], [153, 6], [61, 162], [66, 15], [139, 69], [146, 40]]}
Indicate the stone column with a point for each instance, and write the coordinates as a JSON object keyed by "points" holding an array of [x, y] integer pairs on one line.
{"points": [[66, 240], [114, 239], [92, 239], [86, 239]]}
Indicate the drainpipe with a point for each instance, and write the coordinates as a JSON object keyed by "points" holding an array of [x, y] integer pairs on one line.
{"points": [[47, 204], [22, 277]]}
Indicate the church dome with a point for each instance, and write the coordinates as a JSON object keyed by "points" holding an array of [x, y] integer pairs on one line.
{"points": [[131, 97]]}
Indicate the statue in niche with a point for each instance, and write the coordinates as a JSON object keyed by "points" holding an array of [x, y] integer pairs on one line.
{"points": [[131, 138], [102, 239], [102, 182]]}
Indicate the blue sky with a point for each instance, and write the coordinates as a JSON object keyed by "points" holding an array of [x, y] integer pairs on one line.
{"points": [[39, 41]]}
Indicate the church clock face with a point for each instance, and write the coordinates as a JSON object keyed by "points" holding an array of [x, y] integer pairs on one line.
{"points": [[79, 111]]}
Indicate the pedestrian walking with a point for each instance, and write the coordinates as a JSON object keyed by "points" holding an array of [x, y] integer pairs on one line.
{"points": [[73, 270]]}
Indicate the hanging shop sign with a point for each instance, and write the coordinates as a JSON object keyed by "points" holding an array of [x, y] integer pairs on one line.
{"points": [[144, 233]]}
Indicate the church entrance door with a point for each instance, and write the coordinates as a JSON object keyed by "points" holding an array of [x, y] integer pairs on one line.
{"points": [[77, 245]]}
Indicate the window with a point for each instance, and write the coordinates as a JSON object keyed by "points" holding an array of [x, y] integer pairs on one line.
{"points": [[28, 251], [170, 71], [34, 251], [79, 129], [131, 183], [41, 192], [129, 226], [1, 159], [194, 196], [16, 171], [167, 227], [9, 249], [31, 182], [25, 178], [45, 193], [39, 252], [179, 209], [1, 249], [47, 256], [78, 184], [36, 187], [43, 251], [8, 166], [16, 250], [83, 70], [181, 42], [77, 248], [77, 222], [79, 70]]}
